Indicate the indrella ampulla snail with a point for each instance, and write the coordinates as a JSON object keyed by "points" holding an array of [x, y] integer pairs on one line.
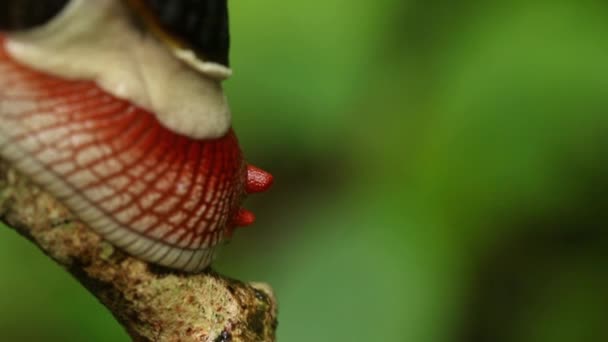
{"points": [[116, 108]]}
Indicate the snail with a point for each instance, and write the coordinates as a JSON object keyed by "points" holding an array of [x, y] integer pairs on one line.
{"points": [[116, 108]]}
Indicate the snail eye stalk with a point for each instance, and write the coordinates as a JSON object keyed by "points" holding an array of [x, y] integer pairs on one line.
{"points": [[199, 26], [18, 15]]}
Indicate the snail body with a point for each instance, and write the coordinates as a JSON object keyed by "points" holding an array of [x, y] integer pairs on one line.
{"points": [[140, 177]]}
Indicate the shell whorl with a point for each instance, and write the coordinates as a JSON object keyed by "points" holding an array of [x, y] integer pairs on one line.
{"points": [[160, 196]]}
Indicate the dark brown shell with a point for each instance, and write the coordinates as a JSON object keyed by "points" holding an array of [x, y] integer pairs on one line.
{"points": [[16, 15], [199, 25]]}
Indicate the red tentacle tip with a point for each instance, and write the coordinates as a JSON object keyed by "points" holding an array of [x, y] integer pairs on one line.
{"points": [[258, 180], [244, 218]]}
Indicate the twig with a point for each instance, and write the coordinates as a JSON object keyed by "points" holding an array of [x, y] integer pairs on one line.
{"points": [[153, 304]]}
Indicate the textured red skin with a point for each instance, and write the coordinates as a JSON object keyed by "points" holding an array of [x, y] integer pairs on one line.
{"points": [[258, 180], [243, 218], [191, 188]]}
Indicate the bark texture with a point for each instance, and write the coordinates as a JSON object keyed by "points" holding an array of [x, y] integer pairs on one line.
{"points": [[153, 304]]}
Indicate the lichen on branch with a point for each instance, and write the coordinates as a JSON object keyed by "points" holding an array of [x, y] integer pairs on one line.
{"points": [[151, 303]]}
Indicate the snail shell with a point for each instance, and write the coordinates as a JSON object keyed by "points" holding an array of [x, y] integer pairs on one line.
{"points": [[164, 197], [25, 14], [199, 26]]}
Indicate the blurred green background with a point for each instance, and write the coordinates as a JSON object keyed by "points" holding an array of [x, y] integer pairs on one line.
{"points": [[440, 176]]}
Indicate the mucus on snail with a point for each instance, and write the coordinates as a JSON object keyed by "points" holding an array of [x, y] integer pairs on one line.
{"points": [[84, 116]]}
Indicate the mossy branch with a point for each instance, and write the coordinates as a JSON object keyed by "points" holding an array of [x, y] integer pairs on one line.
{"points": [[153, 304]]}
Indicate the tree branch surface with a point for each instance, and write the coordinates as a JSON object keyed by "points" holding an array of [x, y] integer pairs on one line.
{"points": [[151, 303]]}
